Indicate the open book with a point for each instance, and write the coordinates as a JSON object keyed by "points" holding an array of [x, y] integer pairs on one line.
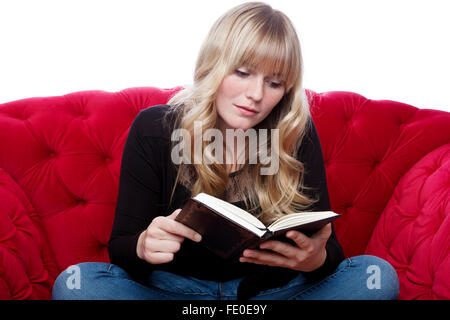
{"points": [[227, 229]]}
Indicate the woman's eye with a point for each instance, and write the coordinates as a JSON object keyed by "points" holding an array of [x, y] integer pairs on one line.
{"points": [[275, 84], [241, 73]]}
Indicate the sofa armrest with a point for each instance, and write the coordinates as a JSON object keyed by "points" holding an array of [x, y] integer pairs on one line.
{"points": [[22, 271], [413, 230]]}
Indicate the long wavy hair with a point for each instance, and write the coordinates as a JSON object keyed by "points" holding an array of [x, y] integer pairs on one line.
{"points": [[257, 36]]}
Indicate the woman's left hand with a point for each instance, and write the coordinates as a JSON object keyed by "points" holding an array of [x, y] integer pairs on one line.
{"points": [[307, 255]]}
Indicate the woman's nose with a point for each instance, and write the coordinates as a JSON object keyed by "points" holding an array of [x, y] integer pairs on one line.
{"points": [[255, 88]]}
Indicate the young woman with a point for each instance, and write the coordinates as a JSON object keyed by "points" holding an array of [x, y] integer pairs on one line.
{"points": [[248, 76]]}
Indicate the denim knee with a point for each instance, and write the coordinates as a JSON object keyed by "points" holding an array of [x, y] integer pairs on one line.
{"points": [[381, 278], [74, 282]]}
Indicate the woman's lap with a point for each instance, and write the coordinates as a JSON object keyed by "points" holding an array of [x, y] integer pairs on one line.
{"points": [[360, 277]]}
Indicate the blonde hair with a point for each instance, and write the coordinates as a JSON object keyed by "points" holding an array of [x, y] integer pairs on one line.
{"points": [[257, 36]]}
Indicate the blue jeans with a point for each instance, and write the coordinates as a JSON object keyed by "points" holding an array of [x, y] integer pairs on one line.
{"points": [[361, 277]]}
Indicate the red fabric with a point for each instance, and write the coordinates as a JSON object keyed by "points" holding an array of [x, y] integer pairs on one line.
{"points": [[59, 172], [413, 231], [368, 146]]}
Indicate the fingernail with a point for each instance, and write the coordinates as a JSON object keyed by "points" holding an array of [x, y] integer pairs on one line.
{"points": [[197, 237], [290, 234]]}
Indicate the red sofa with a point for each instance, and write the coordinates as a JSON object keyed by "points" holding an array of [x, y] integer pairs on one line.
{"points": [[388, 169]]}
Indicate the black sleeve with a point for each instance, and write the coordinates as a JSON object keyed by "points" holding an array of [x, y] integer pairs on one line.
{"points": [[310, 154], [139, 195]]}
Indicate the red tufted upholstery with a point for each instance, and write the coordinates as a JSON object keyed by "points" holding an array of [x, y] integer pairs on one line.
{"points": [[387, 166], [59, 173], [413, 233], [368, 147]]}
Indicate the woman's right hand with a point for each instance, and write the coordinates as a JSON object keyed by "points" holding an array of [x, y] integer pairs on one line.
{"points": [[163, 238]]}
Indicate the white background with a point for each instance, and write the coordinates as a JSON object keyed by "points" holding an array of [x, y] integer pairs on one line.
{"points": [[385, 49]]}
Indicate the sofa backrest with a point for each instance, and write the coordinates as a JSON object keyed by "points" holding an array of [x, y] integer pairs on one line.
{"points": [[388, 174], [59, 172], [60, 159], [368, 146]]}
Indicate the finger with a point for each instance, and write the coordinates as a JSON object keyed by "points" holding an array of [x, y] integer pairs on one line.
{"points": [[158, 257], [168, 236], [250, 260], [174, 214], [179, 229], [302, 241], [323, 233], [163, 245], [260, 262], [263, 257], [156, 233], [282, 248]]}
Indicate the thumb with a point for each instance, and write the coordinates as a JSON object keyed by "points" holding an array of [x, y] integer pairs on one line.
{"points": [[174, 214], [323, 233]]}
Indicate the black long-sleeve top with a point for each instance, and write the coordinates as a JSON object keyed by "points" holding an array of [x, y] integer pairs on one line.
{"points": [[147, 176]]}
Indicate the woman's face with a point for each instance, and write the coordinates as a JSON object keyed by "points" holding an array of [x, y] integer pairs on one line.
{"points": [[246, 97]]}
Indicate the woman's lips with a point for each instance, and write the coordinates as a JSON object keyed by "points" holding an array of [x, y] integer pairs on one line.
{"points": [[246, 111]]}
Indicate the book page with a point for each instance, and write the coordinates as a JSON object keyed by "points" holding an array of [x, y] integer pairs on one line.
{"points": [[299, 218], [233, 212]]}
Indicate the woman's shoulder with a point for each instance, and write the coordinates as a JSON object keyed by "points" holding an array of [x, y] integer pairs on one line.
{"points": [[310, 143], [155, 121], [152, 114]]}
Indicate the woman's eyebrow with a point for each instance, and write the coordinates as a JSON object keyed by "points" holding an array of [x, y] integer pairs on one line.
{"points": [[278, 76]]}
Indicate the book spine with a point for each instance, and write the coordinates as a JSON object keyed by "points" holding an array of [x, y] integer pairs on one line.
{"points": [[267, 235]]}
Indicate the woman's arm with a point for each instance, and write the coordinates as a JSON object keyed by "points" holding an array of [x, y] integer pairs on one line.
{"points": [[139, 194], [142, 235]]}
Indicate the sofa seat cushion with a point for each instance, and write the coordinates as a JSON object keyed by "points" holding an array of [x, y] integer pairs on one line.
{"points": [[413, 231]]}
